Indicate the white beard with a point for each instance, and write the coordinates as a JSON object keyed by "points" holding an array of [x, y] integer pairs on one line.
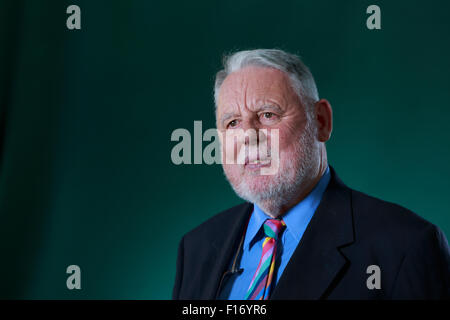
{"points": [[292, 174]]}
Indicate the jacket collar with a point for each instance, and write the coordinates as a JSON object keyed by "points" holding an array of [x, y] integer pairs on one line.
{"points": [[317, 260], [224, 247]]}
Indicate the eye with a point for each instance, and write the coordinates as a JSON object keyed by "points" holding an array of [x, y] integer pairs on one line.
{"points": [[232, 124], [267, 115]]}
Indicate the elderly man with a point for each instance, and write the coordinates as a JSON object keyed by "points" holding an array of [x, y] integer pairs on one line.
{"points": [[302, 233]]}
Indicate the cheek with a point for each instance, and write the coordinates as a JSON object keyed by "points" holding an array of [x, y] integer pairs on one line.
{"points": [[229, 152], [287, 142], [230, 147], [291, 130], [233, 172]]}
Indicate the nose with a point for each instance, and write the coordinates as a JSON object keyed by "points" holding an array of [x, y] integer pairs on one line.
{"points": [[254, 132], [250, 123]]}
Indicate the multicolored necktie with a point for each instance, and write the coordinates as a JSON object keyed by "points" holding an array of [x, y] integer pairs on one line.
{"points": [[260, 285]]}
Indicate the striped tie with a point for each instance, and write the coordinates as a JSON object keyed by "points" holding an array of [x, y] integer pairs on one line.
{"points": [[260, 285]]}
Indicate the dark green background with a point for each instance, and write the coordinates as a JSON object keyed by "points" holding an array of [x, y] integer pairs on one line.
{"points": [[86, 118]]}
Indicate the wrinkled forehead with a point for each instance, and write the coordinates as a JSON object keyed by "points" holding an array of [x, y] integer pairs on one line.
{"points": [[251, 86]]}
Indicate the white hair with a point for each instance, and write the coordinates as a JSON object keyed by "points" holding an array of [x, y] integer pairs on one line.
{"points": [[301, 78]]}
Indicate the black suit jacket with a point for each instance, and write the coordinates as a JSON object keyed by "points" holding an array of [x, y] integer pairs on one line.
{"points": [[348, 232]]}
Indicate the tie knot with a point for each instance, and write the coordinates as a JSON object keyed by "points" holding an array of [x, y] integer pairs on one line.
{"points": [[273, 228]]}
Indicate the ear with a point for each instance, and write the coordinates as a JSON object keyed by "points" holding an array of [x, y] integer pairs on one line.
{"points": [[324, 119]]}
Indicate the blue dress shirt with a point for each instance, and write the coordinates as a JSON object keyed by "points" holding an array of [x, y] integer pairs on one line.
{"points": [[296, 219]]}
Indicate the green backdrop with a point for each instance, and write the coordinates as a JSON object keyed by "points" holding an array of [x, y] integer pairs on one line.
{"points": [[86, 117]]}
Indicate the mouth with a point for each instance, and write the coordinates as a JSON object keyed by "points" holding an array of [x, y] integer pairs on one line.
{"points": [[255, 164]]}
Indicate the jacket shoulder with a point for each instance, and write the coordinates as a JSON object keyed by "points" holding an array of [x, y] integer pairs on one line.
{"points": [[382, 219], [218, 223]]}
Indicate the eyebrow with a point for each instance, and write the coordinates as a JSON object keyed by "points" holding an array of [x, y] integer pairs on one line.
{"points": [[270, 107], [227, 116]]}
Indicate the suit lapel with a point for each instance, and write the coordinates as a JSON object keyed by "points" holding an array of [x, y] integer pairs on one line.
{"points": [[317, 261], [223, 249]]}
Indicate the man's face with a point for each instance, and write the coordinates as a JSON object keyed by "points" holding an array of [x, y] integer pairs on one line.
{"points": [[263, 98]]}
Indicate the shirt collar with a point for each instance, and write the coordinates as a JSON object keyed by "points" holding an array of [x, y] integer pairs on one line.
{"points": [[295, 218]]}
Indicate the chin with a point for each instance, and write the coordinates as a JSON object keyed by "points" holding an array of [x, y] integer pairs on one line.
{"points": [[258, 183], [256, 188]]}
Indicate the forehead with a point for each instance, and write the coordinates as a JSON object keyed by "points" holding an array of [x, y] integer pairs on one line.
{"points": [[252, 85]]}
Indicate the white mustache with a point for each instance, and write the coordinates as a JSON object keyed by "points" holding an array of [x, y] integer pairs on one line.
{"points": [[253, 154], [253, 149]]}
